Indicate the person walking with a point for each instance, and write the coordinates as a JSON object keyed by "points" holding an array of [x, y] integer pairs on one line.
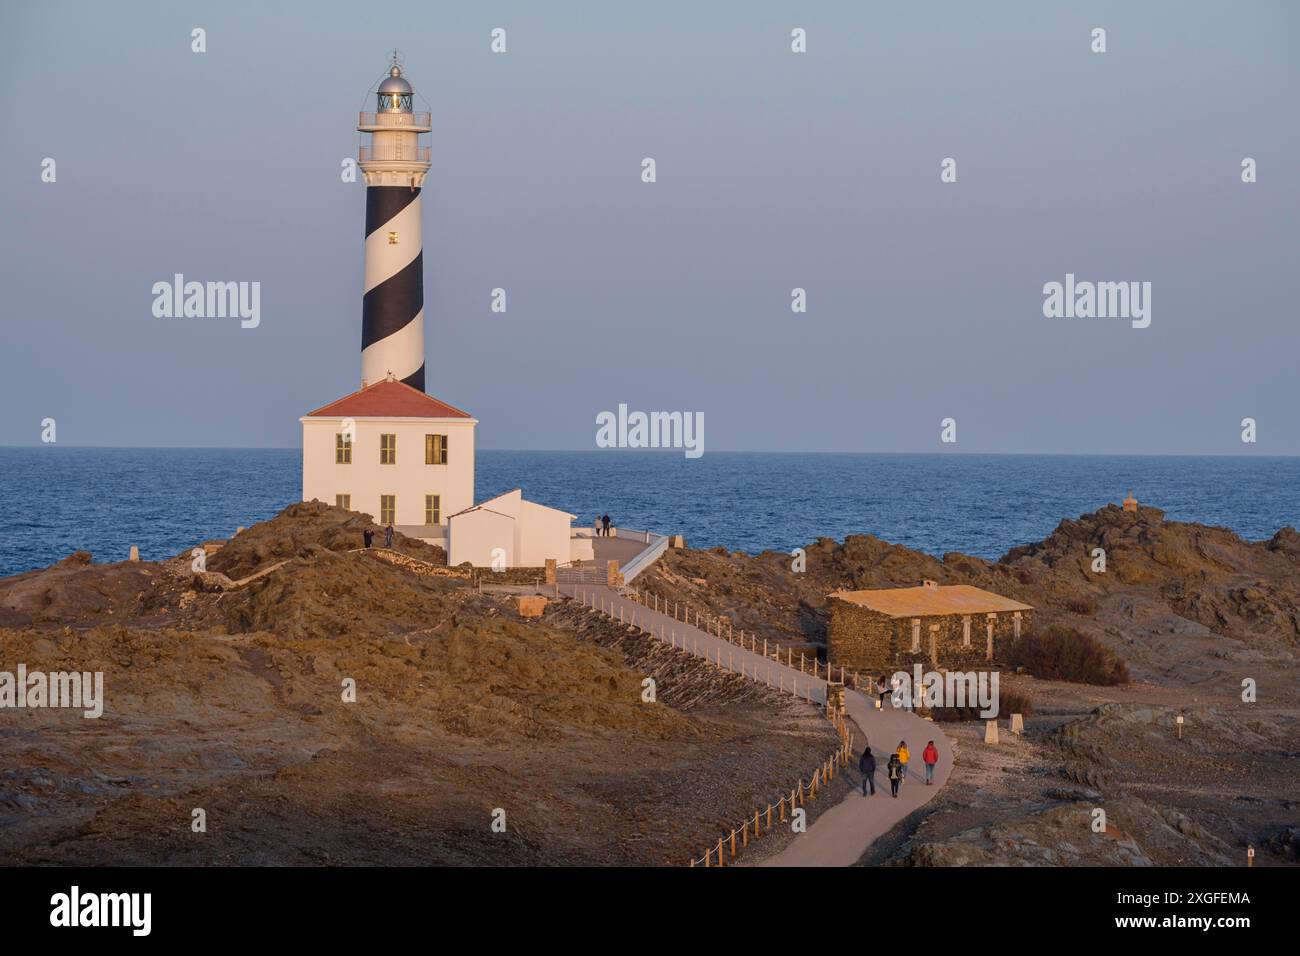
{"points": [[388, 536], [368, 536], [883, 690], [931, 757], [867, 764], [903, 757], [895, 770]]}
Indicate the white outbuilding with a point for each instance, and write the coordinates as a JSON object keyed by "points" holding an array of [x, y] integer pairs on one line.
{"points": [[508, 531]]}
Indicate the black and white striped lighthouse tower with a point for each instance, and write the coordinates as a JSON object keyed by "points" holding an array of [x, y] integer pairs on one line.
{"points": [[394, 165]]}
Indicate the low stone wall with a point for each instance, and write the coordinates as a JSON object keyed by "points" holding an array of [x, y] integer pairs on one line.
{"points": [[861, 639]]}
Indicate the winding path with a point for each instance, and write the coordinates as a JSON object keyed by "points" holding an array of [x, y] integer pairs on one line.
{"points": [[842, 834]]}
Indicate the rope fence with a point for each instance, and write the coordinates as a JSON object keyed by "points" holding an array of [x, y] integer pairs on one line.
{"points": [[723, 627], [761, 823]]}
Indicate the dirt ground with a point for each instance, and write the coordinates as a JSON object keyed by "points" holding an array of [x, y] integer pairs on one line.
{"points": [[230, 702], [1193, 611]]}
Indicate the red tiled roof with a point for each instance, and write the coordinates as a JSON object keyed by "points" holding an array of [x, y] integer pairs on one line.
{"points": [[388, 399]]}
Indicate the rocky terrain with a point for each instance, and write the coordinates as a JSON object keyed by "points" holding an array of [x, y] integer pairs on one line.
{"points": [[231, 701], [226, 697], [1192, 610]]}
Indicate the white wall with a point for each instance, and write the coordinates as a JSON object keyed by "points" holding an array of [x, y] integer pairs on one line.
{"points": [[410, 479], [542, 533], [581, 549], [475, 534]]}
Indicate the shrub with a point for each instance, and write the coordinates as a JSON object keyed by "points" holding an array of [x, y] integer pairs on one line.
{"points": [[1082, 604], [1062, 653]]}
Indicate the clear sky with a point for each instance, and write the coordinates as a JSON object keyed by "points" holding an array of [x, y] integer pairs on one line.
{"points": [[775, 170]]}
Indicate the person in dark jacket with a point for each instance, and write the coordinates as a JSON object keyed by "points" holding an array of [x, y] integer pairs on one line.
{"points": [[388, 536], [895, 770], [604, 523], [368, 536], [867, 764]]}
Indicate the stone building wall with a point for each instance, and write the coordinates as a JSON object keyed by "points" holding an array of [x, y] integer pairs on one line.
{"points": [[867, 641]]}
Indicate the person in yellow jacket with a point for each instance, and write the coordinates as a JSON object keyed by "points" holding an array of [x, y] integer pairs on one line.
{"points": [[903, 758]]}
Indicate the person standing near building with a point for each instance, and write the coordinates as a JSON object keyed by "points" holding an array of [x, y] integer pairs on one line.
{"points": [[903, 757], [368, 536], [895, 770], [388, 536], [867, 764], [931, 757]]}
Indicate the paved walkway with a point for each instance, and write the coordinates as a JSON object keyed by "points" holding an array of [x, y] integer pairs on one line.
{"points": [[843, 833]]}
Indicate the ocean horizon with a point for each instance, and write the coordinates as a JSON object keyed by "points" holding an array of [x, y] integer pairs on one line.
{"points": [[62, 499]]}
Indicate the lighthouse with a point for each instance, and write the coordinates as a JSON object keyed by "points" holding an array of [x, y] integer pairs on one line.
{"points": [[394, 164], [390, 450]]}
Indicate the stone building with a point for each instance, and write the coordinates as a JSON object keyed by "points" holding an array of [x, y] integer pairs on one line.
{"points": [[954, 626]]}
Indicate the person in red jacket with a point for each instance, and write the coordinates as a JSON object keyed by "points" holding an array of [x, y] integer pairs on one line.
{"points": [[931, 757]]}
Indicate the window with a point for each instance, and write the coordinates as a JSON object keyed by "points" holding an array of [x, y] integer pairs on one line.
{"points": [[916, 635], [343, 501], [387, 509], [435, 449], [343, 448], [388, 449], [433, 509], [965, 631]]}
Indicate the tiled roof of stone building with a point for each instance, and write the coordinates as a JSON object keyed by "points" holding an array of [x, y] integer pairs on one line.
{"points": [[931, 599]]}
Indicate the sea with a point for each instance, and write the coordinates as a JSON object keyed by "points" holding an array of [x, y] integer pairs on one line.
{"points": [[55, 500]]}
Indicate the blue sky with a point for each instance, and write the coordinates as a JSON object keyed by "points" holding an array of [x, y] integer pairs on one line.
{"points": [[775, 170]]}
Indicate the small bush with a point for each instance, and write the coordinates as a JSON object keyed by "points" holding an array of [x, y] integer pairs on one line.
{"points": [[1082, 604], [1061, 653]]}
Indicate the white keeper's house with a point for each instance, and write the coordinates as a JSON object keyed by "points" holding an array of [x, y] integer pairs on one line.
{"points": [[389, 449], [394, 452]]}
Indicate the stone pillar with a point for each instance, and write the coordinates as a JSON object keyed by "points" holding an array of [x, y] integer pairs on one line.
{"points": [[612, 578], [990, 731], [135, 553], [934, 644], [550, 570], [1017, 723], [531, 605], [834, 699]]}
